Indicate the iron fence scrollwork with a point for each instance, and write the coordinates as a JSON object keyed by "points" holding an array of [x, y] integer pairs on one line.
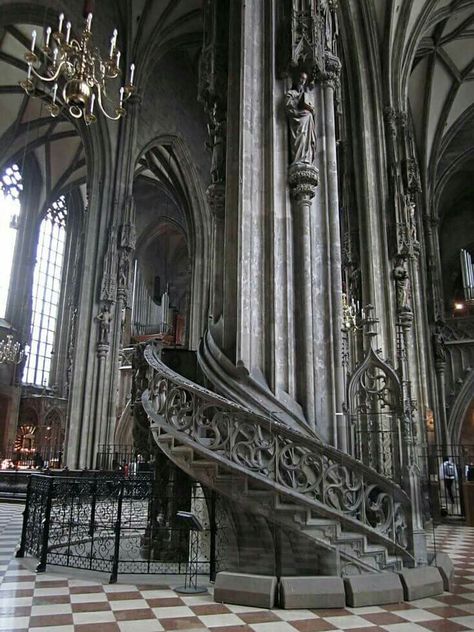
{"points": [[111, 523]]}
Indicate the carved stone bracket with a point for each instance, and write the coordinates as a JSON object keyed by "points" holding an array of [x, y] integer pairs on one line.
{"points": [[303, 179], [390, 118], [330, 76], [216, 198]]}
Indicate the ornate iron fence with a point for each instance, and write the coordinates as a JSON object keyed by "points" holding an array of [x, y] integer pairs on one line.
{"points": [[124, 458], [115, 524], [449, 467]]}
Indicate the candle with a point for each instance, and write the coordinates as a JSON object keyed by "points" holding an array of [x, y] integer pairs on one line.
{"points": [[61, 20], [117, 61], [92, 102], [113, 42], [55, 56], [89, 21], [29, 71], [33, 41], [55, 91], [121, 97], [48, 35], [68, 31], [132, 73]]}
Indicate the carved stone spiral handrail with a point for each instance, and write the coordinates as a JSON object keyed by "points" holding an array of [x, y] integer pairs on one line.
{"points": [[321, 477]]}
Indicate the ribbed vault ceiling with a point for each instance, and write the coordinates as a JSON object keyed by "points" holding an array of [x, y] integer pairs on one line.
{"points": [[428, 52]]}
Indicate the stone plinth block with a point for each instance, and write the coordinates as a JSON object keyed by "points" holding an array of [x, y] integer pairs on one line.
{"points": [[245, 589], [444, 564], [421, 582], [373, 590], [312, 592]]}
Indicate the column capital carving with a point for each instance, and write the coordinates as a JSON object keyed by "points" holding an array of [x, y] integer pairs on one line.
{"points": [[303, 179]]}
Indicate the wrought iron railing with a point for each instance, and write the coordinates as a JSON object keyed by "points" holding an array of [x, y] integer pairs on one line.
{"points": [[119, 457], [450, 467], [318, 475], [113, 524]]}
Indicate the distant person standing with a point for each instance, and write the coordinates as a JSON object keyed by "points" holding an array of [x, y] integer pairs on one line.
{"points": [[448, 473]]}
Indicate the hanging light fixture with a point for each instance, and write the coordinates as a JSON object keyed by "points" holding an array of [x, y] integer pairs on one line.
{"points": [[75, 68], [11, 352]]}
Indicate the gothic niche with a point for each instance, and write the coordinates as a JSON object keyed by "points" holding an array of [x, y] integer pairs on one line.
{"points": [[161, 289], [374, 396]]}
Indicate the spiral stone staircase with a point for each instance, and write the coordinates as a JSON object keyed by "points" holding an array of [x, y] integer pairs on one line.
{"points": [[359, 517]]}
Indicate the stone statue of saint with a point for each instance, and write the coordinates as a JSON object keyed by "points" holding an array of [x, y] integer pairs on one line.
{"points": [[439, 344], [402, 282], [217, 145], [300, 113], [104, 317]]}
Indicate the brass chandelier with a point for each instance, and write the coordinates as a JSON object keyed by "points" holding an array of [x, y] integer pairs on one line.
{"points": [[11, 352], [76, 69]]}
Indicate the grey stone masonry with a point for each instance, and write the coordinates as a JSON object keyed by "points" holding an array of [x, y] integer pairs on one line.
{"points": [[245, 589], [312, 592], [444, 564], [373, 590], [421, 582]]}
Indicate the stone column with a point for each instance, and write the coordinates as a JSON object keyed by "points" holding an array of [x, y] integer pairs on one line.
{"points": [[411, 466], [441, 422], [329, 81], [125, 246], [216, 199], [303, 180]]}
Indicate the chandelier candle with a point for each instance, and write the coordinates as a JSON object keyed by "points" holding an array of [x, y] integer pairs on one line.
{"points": [[75, 67]]}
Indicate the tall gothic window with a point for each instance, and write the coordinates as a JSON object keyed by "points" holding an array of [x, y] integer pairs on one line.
{"points": [[46, 293], [10, 188]]}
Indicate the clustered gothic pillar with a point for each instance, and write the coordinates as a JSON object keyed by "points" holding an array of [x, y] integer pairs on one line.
{"points": [[303, 180], [277, 267]]}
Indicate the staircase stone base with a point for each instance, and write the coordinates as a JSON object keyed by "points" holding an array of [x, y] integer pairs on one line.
{"points": [[312, 592], [421, 582], [444, 564], [245, 589], [373, 590]]}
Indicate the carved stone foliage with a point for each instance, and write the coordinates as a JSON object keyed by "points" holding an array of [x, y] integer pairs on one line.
{"points": [[126, 246], [212, 89], [303, 180], [108, 289], [213, 63], [278, 457], [127, 237], [312, 43], [70, 350]]}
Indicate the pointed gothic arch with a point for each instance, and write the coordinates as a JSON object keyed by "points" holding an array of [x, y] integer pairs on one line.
{"points": [[167, 162]]}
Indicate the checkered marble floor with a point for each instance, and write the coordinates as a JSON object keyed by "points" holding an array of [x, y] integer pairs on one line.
{"points": [[53, 602]]}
